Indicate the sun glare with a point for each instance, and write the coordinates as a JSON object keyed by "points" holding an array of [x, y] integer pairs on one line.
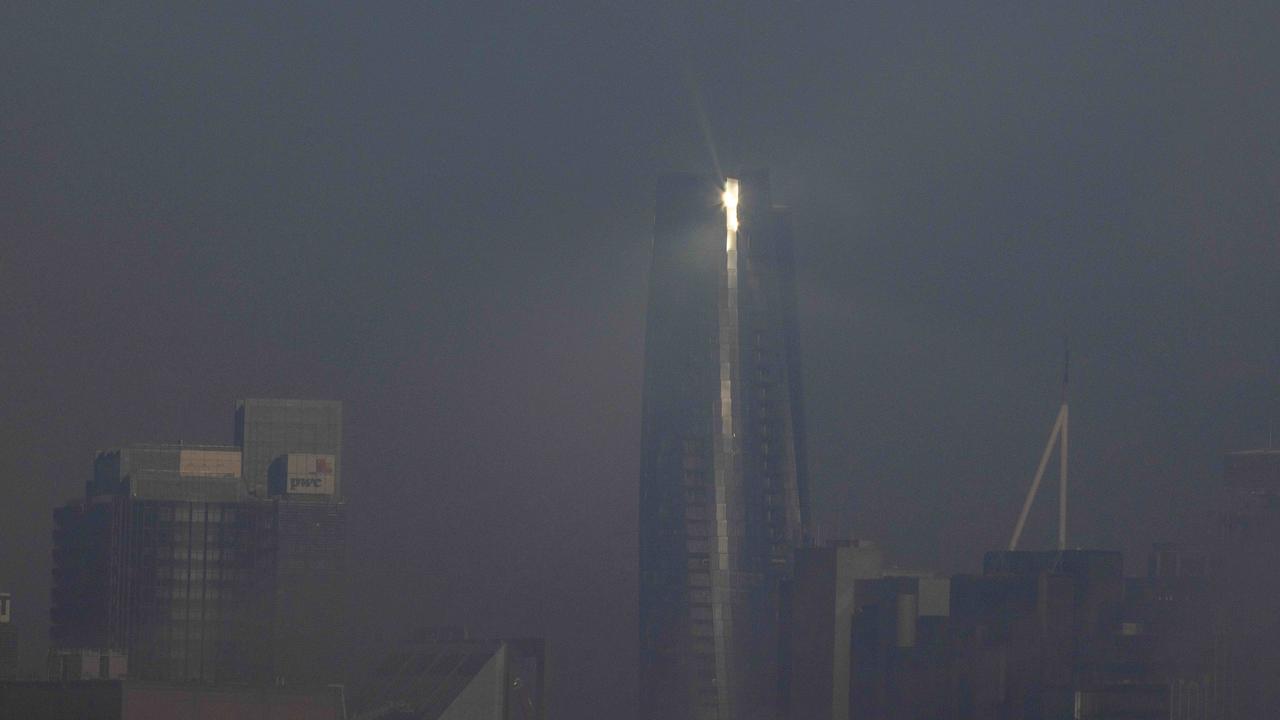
{"points": [[730, 200]]}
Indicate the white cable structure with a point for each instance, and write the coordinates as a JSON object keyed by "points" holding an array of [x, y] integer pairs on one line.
{"points": [[1058, 433]]}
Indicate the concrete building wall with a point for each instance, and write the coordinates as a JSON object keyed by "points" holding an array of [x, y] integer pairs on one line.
{"points": [[823, 600]]}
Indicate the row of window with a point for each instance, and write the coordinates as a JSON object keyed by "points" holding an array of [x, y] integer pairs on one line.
{"points": [[206, 594], [197, 512], [184, 552], [168, 576]]}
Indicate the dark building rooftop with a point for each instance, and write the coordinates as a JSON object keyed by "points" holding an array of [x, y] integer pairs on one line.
{"points": [[442, 673], [140, 700]]}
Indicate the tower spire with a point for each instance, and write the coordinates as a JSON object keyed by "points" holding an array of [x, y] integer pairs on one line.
{"points": [[1066, 366]]}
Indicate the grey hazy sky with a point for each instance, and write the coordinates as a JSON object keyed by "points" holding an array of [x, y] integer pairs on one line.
{"points": [[440, 214]]}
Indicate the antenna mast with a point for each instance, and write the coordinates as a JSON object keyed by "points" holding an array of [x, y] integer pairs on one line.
{"points": [[1058, 433]]}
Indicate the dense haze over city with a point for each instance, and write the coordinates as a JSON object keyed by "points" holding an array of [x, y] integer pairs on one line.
{"points": [[442, 215]]}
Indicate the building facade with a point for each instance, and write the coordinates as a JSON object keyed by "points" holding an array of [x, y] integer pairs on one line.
{"points": [[8, 639], [166, 562], [292, 454], [817, 621], [722, 487], [861, 640], [901, 658], [1059, 635], [269, 429], [180, 562], [1246, 566]]}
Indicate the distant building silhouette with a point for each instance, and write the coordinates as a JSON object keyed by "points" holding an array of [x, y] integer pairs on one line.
{"points": [[1246, 567], [8, 639], [442, 674], [817, 620], [1036, 636], [292, 449], [186, 562], [123, 699], [722, 484]]}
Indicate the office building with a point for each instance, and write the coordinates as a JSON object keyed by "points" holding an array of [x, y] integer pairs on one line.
{"points": [[1246, 567], [182, 565], [8, 639], [164, 562], [1065, 634], [268, 430], [902, 657], [1034, 629], [722, 487], [292, 453], [1036, 636], [70, 665], [861, 640], [1168, 638], [818, 609]]}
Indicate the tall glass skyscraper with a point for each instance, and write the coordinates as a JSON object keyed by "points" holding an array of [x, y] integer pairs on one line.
{"points": [[722, 485]]}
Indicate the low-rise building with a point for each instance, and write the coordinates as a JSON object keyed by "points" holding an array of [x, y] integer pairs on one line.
{"points": [[442, 674], [146, 700]]}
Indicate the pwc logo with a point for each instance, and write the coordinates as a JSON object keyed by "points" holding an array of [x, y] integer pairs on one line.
{"points": [[305, 483]]}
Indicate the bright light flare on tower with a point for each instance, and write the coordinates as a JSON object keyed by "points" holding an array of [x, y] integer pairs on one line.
{"points": [[730, 199]]}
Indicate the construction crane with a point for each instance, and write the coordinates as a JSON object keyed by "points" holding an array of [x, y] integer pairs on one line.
{"points": [[1056, 435]]}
